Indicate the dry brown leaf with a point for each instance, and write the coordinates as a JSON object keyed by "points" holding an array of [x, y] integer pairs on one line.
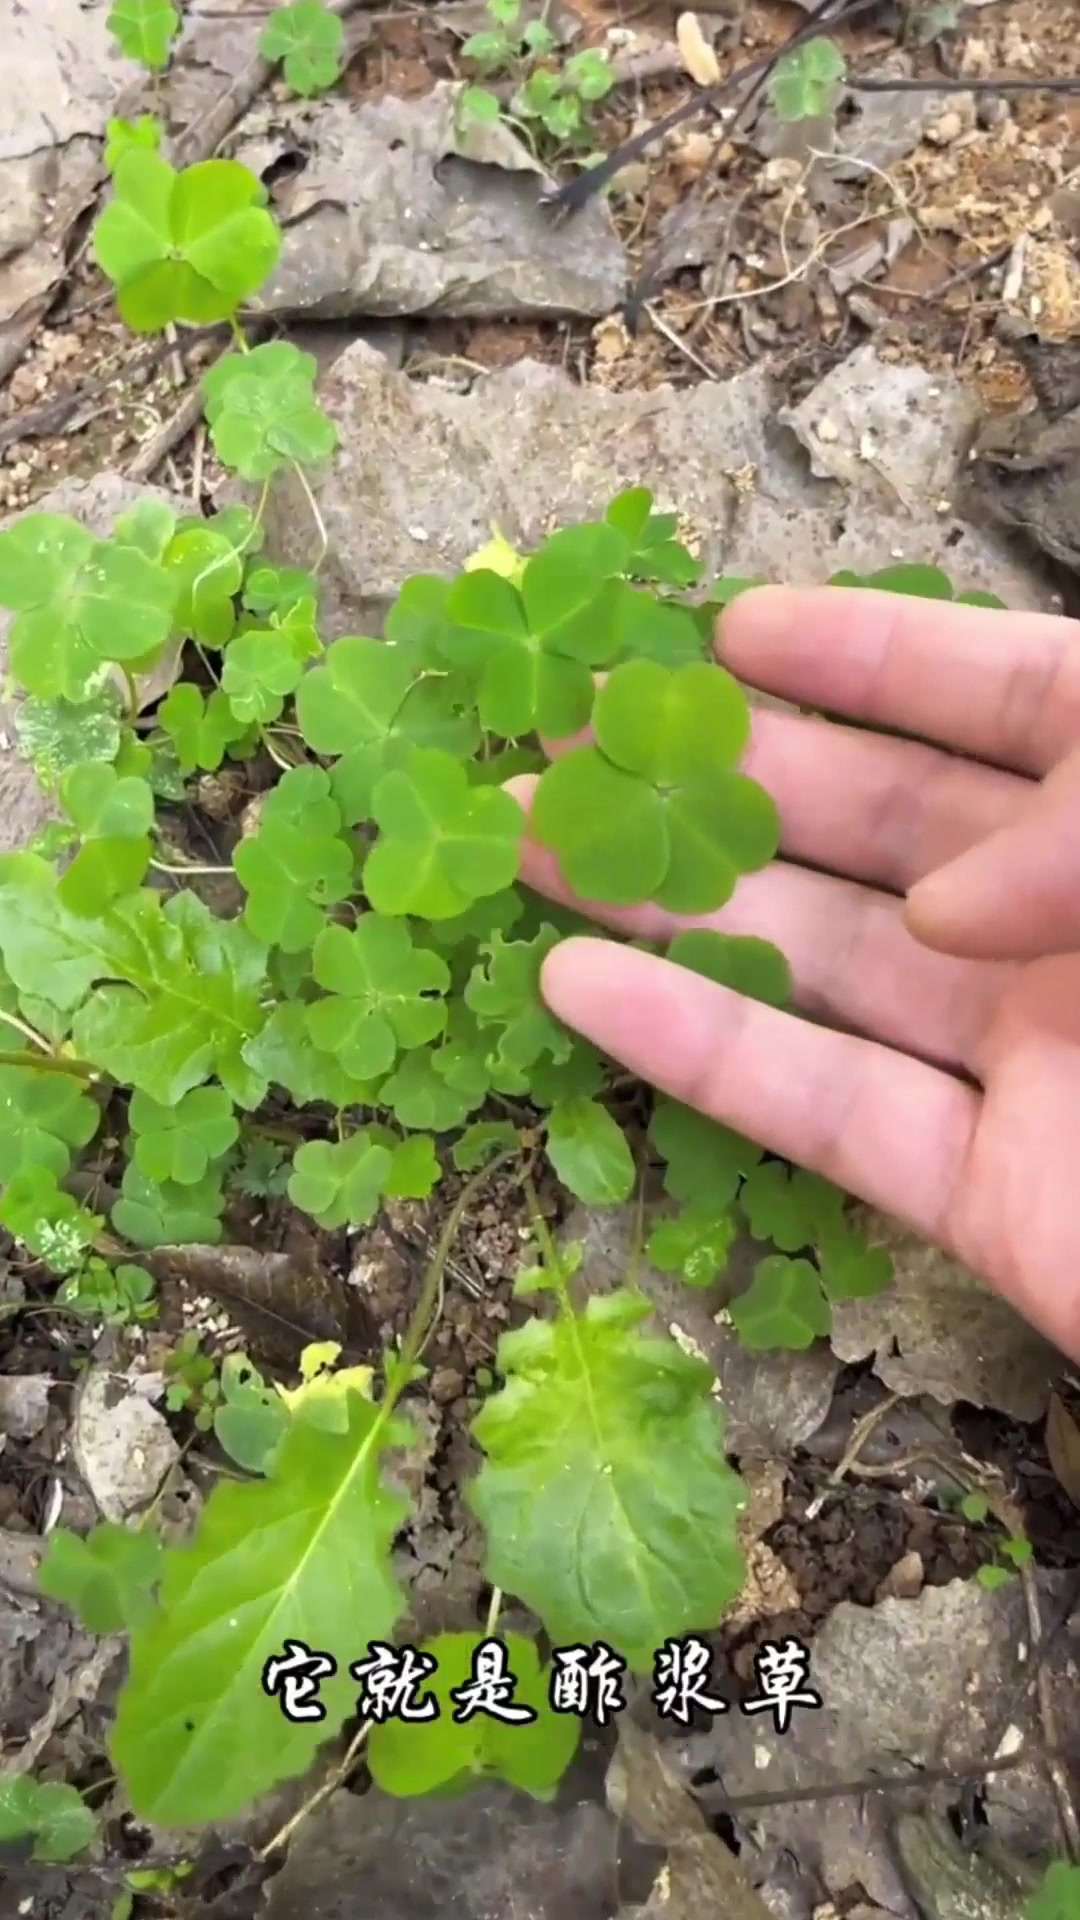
{"points": [[698, 54], [1063, 1447]]}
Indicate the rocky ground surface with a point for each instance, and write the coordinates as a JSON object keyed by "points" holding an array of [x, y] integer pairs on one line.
{"points": [[794, 343]]}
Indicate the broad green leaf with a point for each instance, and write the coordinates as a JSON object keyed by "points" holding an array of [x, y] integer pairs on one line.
{"points": [[607, 828], [178, 1143], [55, 735], [106, 1577], [200, 728], [671, 726], [415, 1172], [608, 1505], [303, 1555], [443, 844], [187, 246], [285, 1055], [309, 41], [570, 593], [746, 964], [105, 807], [251, 1420], [720, 826], [694, 1244], [791, 1208], [380, 985], [522, 684], [263, 413], [590, 1153], [145, 30], [150, 1213], [705, 1161], [79, 604], [783, 1307], [340, 1182], [350, 701], [103, 871], [420, 1756]]}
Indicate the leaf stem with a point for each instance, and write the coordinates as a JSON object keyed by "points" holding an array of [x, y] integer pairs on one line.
{"points": [[132, 693], [324, 537], [239, 336], [29, 1032], [162, 866], [419, 1325], [493, 1612], [48, 1063]]}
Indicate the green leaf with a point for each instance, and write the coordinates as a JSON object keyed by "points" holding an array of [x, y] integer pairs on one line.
{"points": [[705, 1161], [409, 1757], [590, 1152], [47, 1221], [419, 1097], [178, 1143], [340, 1182], [150, 1213], [379, 983], [79, 604], [791, 1208], [260, 670], [750, 966], [301, 1555], [43, 1116], [200, 728], [695, 1244], [250, 1423], [309, 41], [482, 1142], [106, 807], [783, 1307], [207, 570], [351, 704], [263, 413], [479, 104], [523, 683], [122, 136], [145, 30], [284, 1054], [107, 1578], [504, 992], [187, 246], [297, 864], [607, 1502], [850, 1270], [1058, 1898], [805, 82], [443, 844], [58, 1817], [589, 73], [55, 735], [606, 827], [103, 871]]}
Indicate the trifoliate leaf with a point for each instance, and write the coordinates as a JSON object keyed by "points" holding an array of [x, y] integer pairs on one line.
{"points": [[652, 629], [606, 827], [178, 1143], [521, 687], [481, 1142], [415, 1172], [670, 726], [79, 604], [340, 1182], [263, 413], [207, 568], [296, 864], [695, 1244], [608, 1505], [850, 1270], [380, 985], [420, 1098], [351, 700], [504, 992], [590, 1153], [443, 844], [791, 1208], [740, 961], [150, 1213], [409, 1757], [284, 1054], [805, 82], [495, 914], [103, 871], [185, 246], [105, 807], [309, 41], [122, 136], [47, 1221], [783, 1307], [200, 728], [301, 1556], [261, 669], [107, 1578], [55, 735], [571, 595], [269, 589], [705, 1161], [56, 1814], [145, 30], [43, 1116]]}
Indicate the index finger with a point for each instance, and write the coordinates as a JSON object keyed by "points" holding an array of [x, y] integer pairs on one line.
{"points": [[1002, 687]]}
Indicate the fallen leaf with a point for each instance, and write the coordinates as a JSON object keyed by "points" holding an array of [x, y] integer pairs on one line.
{"points": [[1063, 1447], [698, 54]]}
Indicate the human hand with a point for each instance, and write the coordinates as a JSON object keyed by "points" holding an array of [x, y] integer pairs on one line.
{"points": [[945, 1086]]}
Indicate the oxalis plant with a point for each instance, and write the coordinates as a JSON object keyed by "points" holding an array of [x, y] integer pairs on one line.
{"points": [[368, 1026]]}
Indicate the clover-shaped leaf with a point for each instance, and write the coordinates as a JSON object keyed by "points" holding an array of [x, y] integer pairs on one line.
{"points": [[504, 992], [296, 864], [782, 1307], [107, 1578], [694, 1244], [54, 1813], [790, 1207], [851, 1270], [42, 1116], [57, 734], [125, 136], [340, 1182], [263, 413], [705, 1161], [105, 807], [380, 988], [79, 604], [529, 659], [145, 30], [261, 668], [200, 727], [420, 1098], [443, 844], [309, 41], [178, 1143], [805, 82], [208, 570], [152, 1213], [187, 246], [284, 1054], [590, 1152], [741, 961]]}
